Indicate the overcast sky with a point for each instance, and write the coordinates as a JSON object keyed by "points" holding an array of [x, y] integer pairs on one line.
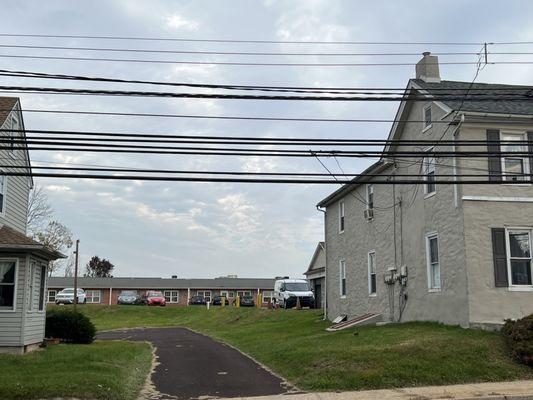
{"points": [[209, 229]]}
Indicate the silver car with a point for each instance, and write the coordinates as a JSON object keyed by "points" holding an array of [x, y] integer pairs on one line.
{"points": [[66, 296], [128, 297]]}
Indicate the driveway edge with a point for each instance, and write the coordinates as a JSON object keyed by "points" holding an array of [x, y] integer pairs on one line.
{"points": [[517, 390]]}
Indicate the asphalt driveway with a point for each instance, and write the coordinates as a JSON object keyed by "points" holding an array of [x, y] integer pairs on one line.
{"points": [[192, 365]]}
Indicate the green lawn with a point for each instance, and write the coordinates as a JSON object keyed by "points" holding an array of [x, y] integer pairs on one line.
{"points": [[295, 345], [102, 370]]}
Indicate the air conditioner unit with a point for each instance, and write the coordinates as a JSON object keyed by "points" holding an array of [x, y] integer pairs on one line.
{"points": [[369, 213]]}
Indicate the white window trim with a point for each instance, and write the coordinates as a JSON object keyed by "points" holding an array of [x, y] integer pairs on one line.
{"points": [[4, 199], [424, 172], [31, 285], [342, 269], [16, 284], [270, 296], [48, 295], [527, 167], [511, 287], [203, 292], [45, 290], [370, 293], [92, 291], [170, 291], [342, 216], [426, 127], [429, 236]]}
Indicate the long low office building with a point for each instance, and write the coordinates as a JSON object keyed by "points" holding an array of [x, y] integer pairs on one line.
{"points": [[176, 291]]}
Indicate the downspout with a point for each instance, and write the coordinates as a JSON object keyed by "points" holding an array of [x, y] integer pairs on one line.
{"points": [[325, 317]]}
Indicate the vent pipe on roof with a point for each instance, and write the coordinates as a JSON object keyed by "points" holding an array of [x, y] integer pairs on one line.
{"points": [[427, 69], [174, 276]]}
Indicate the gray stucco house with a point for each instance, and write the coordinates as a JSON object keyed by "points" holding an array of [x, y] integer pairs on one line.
{"points": [[453, 253], [23, 262], [316, 274]]}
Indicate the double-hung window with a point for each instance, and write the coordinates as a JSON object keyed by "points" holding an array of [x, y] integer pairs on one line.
{"points": [[3, 181], [7, 285], [514, 168], [429, 174], [267, 297], [52, 296], [92, 296], [427, 117], [42, 284], [433, 262], [171, 296], [519, 256], [206, 294], [370, 196], [372, 283], [342, 270], [341, 216]]}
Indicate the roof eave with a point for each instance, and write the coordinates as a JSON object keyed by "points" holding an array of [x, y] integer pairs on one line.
{"points": [[39, 250]]}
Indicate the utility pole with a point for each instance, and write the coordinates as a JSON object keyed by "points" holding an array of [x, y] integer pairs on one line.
{"points": [[76, 274]]}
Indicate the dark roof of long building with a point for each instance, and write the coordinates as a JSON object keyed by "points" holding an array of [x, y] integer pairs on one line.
{"points": [[500, 93], [162, 283]]}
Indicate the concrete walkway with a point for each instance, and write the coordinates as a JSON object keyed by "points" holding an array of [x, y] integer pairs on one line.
{"points": [[518, 390]]}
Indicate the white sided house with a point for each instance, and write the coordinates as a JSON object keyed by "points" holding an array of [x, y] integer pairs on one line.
{"points": [[456, 253], [23, 262]]}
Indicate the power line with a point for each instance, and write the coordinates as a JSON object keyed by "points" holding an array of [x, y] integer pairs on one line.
{"points": [[109, 37], [240, 118]]}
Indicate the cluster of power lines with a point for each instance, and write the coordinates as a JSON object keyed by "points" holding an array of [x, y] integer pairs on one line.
{"points": [[407, 152]]}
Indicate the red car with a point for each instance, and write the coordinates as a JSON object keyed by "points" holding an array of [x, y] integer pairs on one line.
{"points": [[155, 298]]}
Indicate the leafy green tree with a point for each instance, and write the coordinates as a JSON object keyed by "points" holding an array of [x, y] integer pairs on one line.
{"points": [[99, 268]]}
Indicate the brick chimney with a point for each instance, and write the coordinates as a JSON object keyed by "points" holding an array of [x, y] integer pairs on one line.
{"points": [[427, 69]]}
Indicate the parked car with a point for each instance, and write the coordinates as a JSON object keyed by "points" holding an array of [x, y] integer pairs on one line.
{"points": [[288, 291], [197, 301], [217, 301], [247, 301], [128, 297], [66, 296], [154, 298]]}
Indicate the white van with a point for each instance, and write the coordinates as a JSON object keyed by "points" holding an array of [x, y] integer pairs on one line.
{"points": [[288, 291]]}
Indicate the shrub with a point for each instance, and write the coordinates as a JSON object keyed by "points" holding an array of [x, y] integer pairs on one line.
{"points": [[519, 336], [69, 326]]}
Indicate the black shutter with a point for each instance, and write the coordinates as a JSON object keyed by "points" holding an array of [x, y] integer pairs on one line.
{"points": [[500, 257], [530, 150], [495, 162]]}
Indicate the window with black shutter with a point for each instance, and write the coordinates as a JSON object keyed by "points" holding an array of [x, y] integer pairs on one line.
{"points": [[499, 254]]}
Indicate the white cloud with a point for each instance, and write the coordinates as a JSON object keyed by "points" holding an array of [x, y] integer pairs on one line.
{"points": [[176, 21]]}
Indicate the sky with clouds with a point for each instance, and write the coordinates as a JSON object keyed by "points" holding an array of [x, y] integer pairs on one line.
{"points": [[213, 229]]}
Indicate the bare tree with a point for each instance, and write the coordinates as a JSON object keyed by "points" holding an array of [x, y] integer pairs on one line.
{"points": [[57, 237], [69, 266], [39, 210]]}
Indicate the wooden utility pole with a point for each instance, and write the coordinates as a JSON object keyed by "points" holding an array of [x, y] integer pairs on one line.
{"points": [[76, 274]]}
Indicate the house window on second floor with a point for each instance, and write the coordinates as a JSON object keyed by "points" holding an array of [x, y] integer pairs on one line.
{"points": [[370, 196], [372, 281], [429, 174], [3, 181], [12, 132], [514, 168], [341, 216], [427, 117]]}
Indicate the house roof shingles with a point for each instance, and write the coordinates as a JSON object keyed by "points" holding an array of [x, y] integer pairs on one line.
{"points": [[13, 241], [6, 105], [162, 283], [494, 91]]}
